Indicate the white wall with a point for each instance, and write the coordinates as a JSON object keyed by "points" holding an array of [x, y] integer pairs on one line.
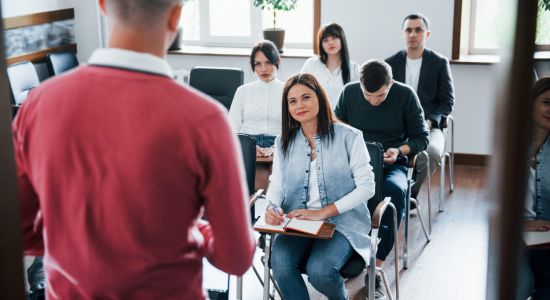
{"points": [[13, 8], [86, 27]]}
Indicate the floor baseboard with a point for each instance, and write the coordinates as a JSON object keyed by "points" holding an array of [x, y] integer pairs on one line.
{"points": [[472, 159]]}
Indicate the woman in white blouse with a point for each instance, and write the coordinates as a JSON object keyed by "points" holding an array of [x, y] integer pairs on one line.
{"points": [[256, 107], [332, 67]]}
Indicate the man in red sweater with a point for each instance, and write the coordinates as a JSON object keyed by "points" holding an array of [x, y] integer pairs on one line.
{"points": [[117, 164]]}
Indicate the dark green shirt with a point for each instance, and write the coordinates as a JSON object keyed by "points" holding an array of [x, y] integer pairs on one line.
{"points": [[397, 121]]}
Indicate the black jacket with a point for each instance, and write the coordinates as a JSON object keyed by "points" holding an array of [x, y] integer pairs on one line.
{"points": [[435, 83]]}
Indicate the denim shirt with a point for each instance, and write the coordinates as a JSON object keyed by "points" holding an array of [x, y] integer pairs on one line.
{"points": [[290, 179], [542, 182]]}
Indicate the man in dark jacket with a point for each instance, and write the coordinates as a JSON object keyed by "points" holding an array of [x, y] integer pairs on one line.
{"points": [[429, 74]]}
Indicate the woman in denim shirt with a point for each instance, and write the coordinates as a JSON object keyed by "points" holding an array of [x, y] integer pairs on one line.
{"points": [[538, 195], [321, 171]]}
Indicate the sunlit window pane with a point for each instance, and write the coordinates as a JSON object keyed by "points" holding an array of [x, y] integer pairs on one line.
{"points": [[487, 22], [230, 18], [298, 23], [543, 27], [190, 21]]}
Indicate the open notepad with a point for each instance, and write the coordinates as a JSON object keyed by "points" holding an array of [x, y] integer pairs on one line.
{"points": [[290, 224], [536, 238]]}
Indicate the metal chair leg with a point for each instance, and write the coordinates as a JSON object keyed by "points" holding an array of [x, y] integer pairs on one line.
{"points": [[429, 192], [452, 160], [239, 295], [406, 233], [267, 274], [396, 252], [372, 268], [442, 184], [419, 212], [386, 284], [371, 271]]}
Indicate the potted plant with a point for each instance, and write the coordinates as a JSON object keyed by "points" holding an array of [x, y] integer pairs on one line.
{"points": [[176, 44], [276, 35]]}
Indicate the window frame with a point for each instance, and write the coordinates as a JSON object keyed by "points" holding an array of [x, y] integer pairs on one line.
{"points": [[464, 30], [207, 40]]}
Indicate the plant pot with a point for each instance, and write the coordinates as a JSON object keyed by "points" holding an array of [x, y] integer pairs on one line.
{"points": [[277, 36], [176, 45]]}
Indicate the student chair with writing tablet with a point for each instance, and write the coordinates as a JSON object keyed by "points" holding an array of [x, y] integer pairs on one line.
{"points": [[23, 78], [59, 62]]}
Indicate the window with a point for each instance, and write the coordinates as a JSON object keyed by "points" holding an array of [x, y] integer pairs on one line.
{"points": [[238, 23], [487, 16], [477, 24]]}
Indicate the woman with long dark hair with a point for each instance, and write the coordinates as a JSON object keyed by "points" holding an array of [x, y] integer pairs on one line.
{"points": [[256, 106], [333, 67], [537, 211], [321, 171]]}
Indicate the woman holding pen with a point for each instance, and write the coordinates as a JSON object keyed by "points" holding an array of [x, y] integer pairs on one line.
{"points": [[321, 171]]}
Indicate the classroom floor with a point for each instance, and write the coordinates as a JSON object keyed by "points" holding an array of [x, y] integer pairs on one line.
{"points": [[452, 266]]}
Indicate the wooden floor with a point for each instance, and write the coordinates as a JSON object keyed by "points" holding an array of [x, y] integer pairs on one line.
{"points": [[452, 265]]}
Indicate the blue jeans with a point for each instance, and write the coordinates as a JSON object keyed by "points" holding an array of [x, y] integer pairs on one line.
{"points": [[539, 260], [394, 185], [264, 140], [324, 258]]}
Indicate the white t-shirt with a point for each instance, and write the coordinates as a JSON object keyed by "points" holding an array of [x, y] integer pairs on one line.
{"points": [[256, 108], [314, 201], [412, 72], [330, 81]]}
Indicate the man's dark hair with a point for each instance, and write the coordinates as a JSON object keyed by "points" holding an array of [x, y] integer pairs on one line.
{"points": [[375, 73], [141, 13], [269, 50], [417, 16]]}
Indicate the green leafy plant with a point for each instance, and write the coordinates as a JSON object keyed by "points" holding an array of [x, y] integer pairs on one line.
{"points": [[545, 4], [275, 5]]}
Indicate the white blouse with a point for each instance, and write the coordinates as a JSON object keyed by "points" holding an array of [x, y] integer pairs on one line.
{"points": [[256, 108], [330, 81]]}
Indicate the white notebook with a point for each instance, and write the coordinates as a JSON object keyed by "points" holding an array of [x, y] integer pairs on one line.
{"points": [[534, 238], [290, 224]]}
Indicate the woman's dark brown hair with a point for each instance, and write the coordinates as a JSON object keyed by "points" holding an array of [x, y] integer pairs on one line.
{"points": [[336, 31], [542, 85], [325, 118], [269, 50]]}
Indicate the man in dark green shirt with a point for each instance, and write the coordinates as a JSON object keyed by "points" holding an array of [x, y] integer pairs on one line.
{"points": [[390, 113]]}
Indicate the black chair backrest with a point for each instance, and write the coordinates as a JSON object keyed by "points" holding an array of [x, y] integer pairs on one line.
{"points": [[59, 62], [219, 83], [376, 153], [23, 78], [248, 147]]}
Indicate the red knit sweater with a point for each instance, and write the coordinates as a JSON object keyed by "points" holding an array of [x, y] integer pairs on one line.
{"points": [[114, 168]]}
